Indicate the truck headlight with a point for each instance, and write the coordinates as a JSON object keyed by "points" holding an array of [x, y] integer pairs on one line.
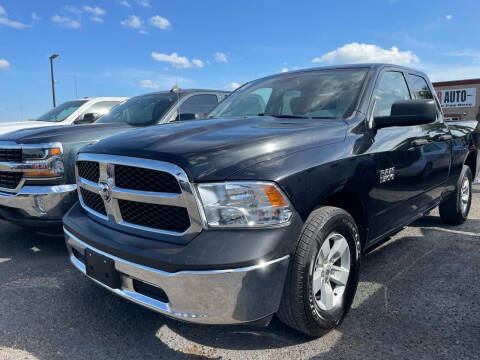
{"points": [[43, 161], [244, 204]]}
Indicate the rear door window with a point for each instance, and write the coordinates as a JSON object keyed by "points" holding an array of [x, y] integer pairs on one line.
{"points": [[419, 87]]}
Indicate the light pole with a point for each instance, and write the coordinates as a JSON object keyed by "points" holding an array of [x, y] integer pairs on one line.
{"points": [[53, 79]]}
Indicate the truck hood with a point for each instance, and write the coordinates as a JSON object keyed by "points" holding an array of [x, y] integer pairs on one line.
{"points": [[214, 149], [64, 133], [12, 126]]}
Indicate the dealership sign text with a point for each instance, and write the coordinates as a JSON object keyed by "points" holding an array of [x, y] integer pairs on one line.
{"points": [[457, 97]]}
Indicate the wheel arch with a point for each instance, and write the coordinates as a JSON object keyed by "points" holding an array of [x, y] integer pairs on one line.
{"points": [[351, 202]]}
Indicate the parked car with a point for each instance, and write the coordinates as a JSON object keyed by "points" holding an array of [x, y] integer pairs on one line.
{"points": [[268, 206], [80, 111], [37, 166]]}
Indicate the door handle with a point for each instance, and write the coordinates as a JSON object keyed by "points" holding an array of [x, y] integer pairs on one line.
{"points": [[419, 142], [445, 137]]}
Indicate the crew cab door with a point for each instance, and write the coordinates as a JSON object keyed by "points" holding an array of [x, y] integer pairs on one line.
{"points": [[398, 150], [437, 149]]}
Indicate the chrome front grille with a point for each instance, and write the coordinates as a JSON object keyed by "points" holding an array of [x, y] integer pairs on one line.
{"points": [[11, 174], [138, 195]]}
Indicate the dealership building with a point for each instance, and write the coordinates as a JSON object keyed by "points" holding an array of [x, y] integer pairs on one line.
{"points": [[459, 99]]}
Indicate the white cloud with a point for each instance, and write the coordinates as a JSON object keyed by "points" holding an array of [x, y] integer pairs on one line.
{"points": [[73, 9], [449, 17], [12, 23], [66, 21], [132, 21], [180, 62], [284, 70], [4, 64], [149, 84], [143, 32], [36, 17], [95, 10], [160, 22], [126, 4], [173, 58], [233, 85], [144, 3], [360, 53], [220, 57], [198, 63]]}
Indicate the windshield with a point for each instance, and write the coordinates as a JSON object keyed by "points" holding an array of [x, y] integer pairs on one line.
{"points": [[328, 94], [141, 110], [61, 112]]}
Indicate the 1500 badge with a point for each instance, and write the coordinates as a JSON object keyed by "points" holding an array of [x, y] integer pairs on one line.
{"points": [[387, 175]]}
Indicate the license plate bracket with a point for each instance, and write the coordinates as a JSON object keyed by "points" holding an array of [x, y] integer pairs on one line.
{"points": [[102, 269]]}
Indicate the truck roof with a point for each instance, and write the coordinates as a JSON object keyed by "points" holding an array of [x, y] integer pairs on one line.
{"points": [[88, 98], [189, 91], [183, 92], [376, 66]]}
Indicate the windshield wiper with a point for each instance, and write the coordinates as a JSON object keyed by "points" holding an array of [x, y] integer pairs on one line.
{"points": [[285, 116]]}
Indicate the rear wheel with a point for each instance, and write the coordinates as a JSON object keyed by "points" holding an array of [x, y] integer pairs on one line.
{"points": [[456, 208], [323, 274]]}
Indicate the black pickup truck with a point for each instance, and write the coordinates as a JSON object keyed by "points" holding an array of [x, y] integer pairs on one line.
{"points": [[267, 206], [37, 166]]}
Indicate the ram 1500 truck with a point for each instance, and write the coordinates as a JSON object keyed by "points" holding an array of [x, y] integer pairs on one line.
{"points": [[37, 166], [267, 206], [74, 112]]}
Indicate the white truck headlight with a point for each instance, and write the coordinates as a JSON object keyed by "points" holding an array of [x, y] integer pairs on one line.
{"points": [[43, 161], [244, 204]]}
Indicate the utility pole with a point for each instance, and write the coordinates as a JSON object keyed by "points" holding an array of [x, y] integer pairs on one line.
{"points": [[53, 79]]}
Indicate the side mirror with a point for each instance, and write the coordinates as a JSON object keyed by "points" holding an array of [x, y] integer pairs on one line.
{"points": [[88, 118], [408, 113], [186, 117]]}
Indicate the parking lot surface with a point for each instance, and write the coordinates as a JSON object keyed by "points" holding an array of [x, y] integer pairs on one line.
{"points": [[418, 298]]}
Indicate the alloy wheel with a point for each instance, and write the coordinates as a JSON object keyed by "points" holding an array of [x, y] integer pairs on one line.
{"points": [[331, 272]]}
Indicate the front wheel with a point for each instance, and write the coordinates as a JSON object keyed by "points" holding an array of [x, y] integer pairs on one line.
{"points": [[323, 274], [456, 208]]}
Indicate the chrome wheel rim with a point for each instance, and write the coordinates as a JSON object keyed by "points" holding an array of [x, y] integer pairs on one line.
{"points": [[331, 271], [465, 195]]}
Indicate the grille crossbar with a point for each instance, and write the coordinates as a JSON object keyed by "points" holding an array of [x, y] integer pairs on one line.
{"points": [[124, 195]]}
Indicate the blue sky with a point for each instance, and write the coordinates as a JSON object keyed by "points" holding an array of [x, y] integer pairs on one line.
{"points": [[129, 47]]}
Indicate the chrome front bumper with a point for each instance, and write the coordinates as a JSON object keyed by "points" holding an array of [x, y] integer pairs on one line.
{"points": [[41, 202], [210, 297]]}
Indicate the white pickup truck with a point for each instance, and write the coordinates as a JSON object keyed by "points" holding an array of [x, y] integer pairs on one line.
{"points": [[80, 111]]}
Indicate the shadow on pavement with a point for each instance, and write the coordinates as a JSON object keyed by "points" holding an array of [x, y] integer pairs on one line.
{"points": [[406, 306]]}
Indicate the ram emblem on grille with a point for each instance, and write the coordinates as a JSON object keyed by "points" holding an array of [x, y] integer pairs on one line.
{"points": [[105, 191]]}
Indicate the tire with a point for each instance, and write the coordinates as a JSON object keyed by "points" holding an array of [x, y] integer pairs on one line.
{"points": [[455, 209], [300, 308]]}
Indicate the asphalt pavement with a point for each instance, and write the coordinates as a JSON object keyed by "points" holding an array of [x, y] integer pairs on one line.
{"points": [[418, 298]]}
